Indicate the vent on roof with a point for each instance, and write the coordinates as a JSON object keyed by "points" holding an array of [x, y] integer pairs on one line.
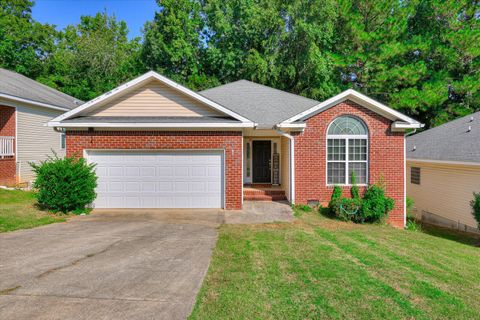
{"points": [[414, 148], [471, 119], [469, 128]]}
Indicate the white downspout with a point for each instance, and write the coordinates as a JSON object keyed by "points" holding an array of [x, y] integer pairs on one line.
{"points": [[292, 164], [405, 175]]}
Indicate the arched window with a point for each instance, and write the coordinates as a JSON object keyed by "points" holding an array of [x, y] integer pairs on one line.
{"points": [[347, 151]]}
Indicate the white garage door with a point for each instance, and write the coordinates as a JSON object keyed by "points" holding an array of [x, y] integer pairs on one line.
{"points": [[134, 179]]}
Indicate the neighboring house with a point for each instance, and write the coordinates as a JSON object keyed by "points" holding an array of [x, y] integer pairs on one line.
{"points": [[25, 108], [443, 171], [158, 144]]}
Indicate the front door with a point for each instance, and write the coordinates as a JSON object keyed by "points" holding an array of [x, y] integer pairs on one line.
{"points": [[262, 153]]}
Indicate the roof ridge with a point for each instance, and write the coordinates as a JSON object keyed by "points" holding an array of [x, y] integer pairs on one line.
{"points": [[273, 88], [264, 86]]}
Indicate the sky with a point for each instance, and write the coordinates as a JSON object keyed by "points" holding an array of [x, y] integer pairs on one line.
{"points": [[64, 12]]}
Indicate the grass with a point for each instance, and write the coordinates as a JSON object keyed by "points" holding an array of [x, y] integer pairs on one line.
{"points": [[18, 211], [318, 268]]}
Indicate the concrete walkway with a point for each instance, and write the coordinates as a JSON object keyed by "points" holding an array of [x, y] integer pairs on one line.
{"points": [[115, 264], [260, 212]]}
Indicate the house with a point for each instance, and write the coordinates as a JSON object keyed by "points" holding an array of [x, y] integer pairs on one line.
{"points": [[157, 144], [25, 108], [443, 170]]}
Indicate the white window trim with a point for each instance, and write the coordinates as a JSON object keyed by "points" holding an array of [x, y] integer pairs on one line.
{"points": [[346, 137]]}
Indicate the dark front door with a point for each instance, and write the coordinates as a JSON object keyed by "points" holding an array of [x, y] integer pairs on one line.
{"points": [[262, 153]]}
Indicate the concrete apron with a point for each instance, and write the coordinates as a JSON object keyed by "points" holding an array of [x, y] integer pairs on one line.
{"points": [[113, 264]]}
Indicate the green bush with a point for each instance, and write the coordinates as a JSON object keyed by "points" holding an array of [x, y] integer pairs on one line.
{"points": [[336, 195], [475, 204], [375, 204], [347, 209], [354, 190], [64, 184]]}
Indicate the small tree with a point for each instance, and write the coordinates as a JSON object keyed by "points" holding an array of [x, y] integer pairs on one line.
{"points": [[475, 204], [336, 196], [64, 184]]}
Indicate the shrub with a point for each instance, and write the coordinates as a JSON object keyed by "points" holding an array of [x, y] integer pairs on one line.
{"points": [[375, 204], [354, 190], [336, 195], [347, 209], [475, 204], [64, 184]]}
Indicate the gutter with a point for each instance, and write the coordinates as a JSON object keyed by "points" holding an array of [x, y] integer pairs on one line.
{"points": [[292, 163]]}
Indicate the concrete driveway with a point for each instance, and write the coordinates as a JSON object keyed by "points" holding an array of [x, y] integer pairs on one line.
{"points": [[110, 265]]}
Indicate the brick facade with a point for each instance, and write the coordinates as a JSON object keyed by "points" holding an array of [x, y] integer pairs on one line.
{"points": [[386, 157], [230, 141], [8, 167], [386, 154]]}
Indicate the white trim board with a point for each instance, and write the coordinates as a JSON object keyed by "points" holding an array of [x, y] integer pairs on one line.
{"points": [[361, 99], [137, 82], [150, 125]]}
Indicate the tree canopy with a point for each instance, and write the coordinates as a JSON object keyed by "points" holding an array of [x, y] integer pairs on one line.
{"points": [[421, 57]]}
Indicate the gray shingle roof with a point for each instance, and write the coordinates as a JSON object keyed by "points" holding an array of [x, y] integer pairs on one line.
{"points": [[261, 104], [17, 85], [449, 142], [94, 119]]}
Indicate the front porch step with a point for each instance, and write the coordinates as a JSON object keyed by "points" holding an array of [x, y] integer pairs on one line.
{"points": [[263, 195]]}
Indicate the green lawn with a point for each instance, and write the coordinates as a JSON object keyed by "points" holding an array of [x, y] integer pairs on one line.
{"points": [[18, 211], [318, 268]]}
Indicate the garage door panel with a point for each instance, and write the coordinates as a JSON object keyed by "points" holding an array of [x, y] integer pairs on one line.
{"points": [[133, 179], [132, 186], [132, 171], [165, 171], [148, 186], [147, 171]]}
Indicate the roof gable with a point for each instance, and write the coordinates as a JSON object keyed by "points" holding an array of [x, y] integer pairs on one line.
{"points": [[136, 84], [153, 99], [401, 121]]}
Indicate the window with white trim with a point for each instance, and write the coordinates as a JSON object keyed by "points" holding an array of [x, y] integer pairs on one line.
{"points": [[347, 151], [63, 140]]}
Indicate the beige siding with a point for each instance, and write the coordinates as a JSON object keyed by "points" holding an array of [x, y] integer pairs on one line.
{"points": [[154, 99], [285, 166], [34, 140], [444, 190]]}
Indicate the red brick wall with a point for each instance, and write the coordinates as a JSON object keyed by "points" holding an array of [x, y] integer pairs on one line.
{"points": [[7, 128], [229, 141], [386, 157]]}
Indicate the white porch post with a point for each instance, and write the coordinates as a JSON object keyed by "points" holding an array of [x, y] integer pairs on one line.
{"points": [[292, 164]]}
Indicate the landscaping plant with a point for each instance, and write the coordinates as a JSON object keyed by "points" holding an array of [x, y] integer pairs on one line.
{"points": [[336, 195], [375, 204], [348, 209], [64, 184], [475, 204]]}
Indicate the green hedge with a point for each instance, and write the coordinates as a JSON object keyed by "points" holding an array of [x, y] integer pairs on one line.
{"points": [[373, 207], [64, 184]]}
